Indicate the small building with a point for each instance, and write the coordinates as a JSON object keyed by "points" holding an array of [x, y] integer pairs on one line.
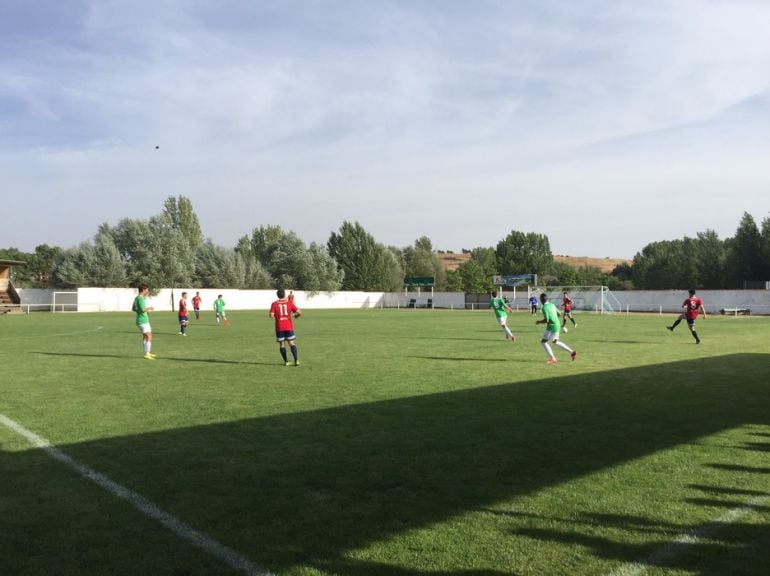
{"points": [[9, 298]]}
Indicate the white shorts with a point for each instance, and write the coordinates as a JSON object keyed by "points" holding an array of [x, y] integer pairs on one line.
{"points": [[550, 336], [144, 328], [502, 320]]}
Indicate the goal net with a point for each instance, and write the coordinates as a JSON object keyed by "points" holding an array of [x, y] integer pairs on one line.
{"points": [[597, 299], [64, 302]]}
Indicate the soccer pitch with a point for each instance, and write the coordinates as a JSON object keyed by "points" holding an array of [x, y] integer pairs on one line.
{"points": [[411, 442]]}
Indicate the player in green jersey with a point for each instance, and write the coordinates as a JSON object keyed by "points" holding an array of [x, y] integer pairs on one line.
{"points": [[552, 329], [219, 308], [143, 320], [500, 308]]}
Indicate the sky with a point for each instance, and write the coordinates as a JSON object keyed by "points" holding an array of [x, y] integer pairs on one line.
{"points": [[605, 125]]}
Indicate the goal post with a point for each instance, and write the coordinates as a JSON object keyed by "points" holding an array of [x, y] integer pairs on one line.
{"points": [[64, 302], [599, 299]]}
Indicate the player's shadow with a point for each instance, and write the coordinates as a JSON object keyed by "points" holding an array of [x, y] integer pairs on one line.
{"points": [[462, 359], [161, 358], [741, 468], [310, 490]]}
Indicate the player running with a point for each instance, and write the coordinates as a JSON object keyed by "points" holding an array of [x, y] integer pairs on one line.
{"points": [[692, 306], [500, 308], [552, 329], [283, 310], [566, 303], [219, 310]]}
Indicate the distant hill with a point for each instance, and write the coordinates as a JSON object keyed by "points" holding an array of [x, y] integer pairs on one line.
{"points": [[606, 265], [453, 260]]}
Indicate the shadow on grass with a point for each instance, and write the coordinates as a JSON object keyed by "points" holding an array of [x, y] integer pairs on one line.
{"points": [[464, 359], [723, 546], [159, 358], [307, 489]]}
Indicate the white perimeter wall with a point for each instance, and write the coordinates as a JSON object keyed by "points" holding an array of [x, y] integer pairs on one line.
{"points": [[120, 299]]}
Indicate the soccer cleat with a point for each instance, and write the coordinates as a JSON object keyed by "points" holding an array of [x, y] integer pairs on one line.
{"points": [[551, 361], [575, 324], [670, 328], [513, 339], [149, 357], [697, 341], [296, 363], [287, 363], [573, 356]]}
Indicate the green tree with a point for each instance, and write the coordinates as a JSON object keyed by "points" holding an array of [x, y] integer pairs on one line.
{"points": [[745, 253], [366, 264], [454, 282], [323, 274], [621, 277], [764, 250], [173, 252], [710, 255], [75, 267], [218, 267], [560, 274], [477, 273], [285, 258], [419, 260], [41, 265], [109, 270], [521, 253], [138, 246], [183, 218], [666, 265]]}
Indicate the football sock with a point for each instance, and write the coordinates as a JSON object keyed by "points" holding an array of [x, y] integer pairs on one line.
{"points": [[508, 331], [563, 346], [548, 350], [283, 354], [294, 352], [675, 324]]}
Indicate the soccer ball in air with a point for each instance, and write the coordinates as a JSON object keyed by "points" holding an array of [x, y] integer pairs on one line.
{"points": [[564, 329]]}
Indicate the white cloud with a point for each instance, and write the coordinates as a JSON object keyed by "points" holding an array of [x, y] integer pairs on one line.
{"points": [[453, 122]]}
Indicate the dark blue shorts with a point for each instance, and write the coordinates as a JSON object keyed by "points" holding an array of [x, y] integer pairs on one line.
{"points": [[183, 319], [284, 335]]}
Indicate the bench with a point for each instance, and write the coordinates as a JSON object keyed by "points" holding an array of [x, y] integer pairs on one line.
{"points": [[736, 311]]}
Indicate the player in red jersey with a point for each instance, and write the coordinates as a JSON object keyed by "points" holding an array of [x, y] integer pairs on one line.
{"points": [[183, 319], [196, 302], [692, 306], [283, 310], [566, 303]]}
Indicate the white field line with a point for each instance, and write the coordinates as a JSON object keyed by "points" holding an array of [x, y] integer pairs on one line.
{"points": [[39, 336], [705, 532], [230, 557]]}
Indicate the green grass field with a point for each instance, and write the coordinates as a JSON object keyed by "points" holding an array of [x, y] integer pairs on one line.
{"points": [[412, 442]]}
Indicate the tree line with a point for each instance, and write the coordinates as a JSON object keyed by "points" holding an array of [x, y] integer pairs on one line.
{"points": [[169, 250]]}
